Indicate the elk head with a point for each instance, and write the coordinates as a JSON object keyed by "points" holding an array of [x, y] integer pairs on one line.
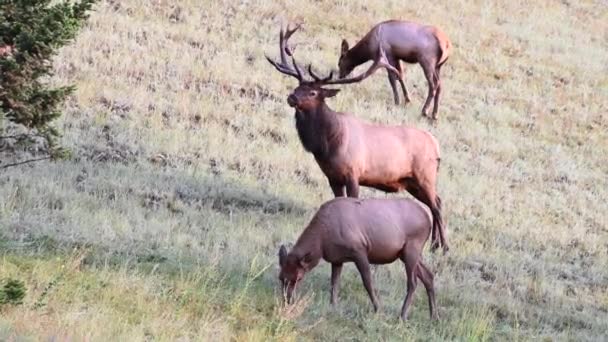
{"points": [[292, 271], [310, 94], [345, 65]]}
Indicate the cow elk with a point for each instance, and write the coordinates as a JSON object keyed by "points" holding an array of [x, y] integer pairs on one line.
{"points": [[403, 41], [369, 231], [353, 153]]}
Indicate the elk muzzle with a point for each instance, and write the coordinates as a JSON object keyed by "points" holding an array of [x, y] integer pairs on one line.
{"points": [[344, 70], [289, 289], [292, 100]]}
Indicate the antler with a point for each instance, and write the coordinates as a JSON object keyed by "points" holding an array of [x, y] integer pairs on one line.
{"points": [[380, 62], [283, 67], [317, 78]]}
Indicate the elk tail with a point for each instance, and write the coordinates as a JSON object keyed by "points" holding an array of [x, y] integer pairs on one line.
{"points": [[444, 45]]}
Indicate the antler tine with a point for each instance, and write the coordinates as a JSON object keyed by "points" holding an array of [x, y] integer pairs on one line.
{"points": [[283, 67], [295, 65], [312, 73], [381, 61], [317, 78], [329, 77], [289, 32], [282, 44]]}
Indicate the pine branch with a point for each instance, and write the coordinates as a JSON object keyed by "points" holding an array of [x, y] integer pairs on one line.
{"points": [[24, 162], [21, 135]]}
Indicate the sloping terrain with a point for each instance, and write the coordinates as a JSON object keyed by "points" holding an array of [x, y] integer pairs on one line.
{"points": [[188, 175]]}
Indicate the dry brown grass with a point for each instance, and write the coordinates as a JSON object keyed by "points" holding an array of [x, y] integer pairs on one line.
{"points": [[187, 165]]}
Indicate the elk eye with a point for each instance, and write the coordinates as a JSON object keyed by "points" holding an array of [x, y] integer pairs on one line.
{"points": [[313, 93]]}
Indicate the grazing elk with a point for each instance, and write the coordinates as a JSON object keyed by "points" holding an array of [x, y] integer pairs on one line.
{"points": [[363, 231], [402, 41], [351, 152]]}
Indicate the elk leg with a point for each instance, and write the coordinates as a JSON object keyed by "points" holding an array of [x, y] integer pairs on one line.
{"points": [[401, 79], [412, 186], [352, 187], [430, 198], [427, 277], [425, 193], [442, 232], [392, 79], [336, 270], [337, 188], [436, 98], [410, 256], [363, 267], [429, 73]]}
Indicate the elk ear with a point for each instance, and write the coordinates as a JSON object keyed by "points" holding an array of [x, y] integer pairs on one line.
{"points": [[344, 48], [330, 92], [282, 255]]}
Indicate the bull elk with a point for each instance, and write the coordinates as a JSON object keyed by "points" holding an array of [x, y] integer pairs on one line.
{"points": [[403, 41], [351, 152], [370, 231]]}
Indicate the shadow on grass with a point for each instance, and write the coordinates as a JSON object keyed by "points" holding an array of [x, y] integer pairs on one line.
{"points": [[225, 197], [164, 187]]}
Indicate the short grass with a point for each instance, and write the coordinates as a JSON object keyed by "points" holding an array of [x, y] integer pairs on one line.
{"points": [[188, 175]]}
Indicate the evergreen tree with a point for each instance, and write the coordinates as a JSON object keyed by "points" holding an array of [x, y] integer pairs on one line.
{"points": [[11, 291], [31, 31]]}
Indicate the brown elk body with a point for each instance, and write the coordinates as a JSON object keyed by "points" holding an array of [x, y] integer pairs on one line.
{"points": [[363, 231], [353, 153], [402, 41]]}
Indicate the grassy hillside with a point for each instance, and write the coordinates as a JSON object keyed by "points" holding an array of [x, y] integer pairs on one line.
{"points": [[188, 175]]}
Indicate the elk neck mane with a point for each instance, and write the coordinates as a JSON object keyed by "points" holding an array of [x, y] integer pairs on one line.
{"points": [[311, 238], [320, 130], [360, 53]]}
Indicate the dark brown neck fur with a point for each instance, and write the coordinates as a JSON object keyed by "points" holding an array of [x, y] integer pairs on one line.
{"points": [[359, 53], [319, 130]]}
